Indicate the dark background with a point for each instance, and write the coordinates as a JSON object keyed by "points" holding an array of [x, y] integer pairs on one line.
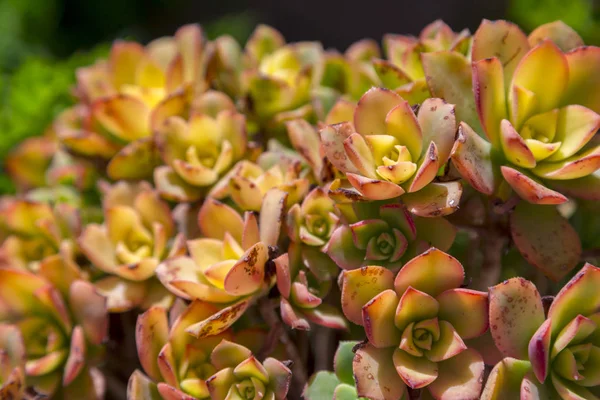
{"points": [[60, 27], [42, 42]]}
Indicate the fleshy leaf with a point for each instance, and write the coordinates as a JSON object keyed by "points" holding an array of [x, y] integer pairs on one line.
{"points": [[466, 310], [432, 272], [583, 63], [152, 332], [515, 149], [220, 321], [539, 351], [359, 286], [415, 306], [501, 39], [529, 189], [516, 312], [575, 127], [247, 275], [320, 386], [375, 374], [568, 302], [435, 200], [332, 142], [546, 56], [416, 372], [90, 310], [490, 98], [505, 379], [449, 77], [447, 346], [374, 189], [372, 108], [378, 319], [545, 239], [472, 157], [140, 387], [459, 377], [279, 377], [216, 218], [136, 161], [342, 362], [565, 37]]}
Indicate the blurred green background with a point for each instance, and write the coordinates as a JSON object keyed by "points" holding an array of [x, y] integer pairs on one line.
{"points": [[42, 42]]}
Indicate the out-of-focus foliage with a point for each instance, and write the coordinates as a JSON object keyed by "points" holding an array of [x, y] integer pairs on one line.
{"points": [[581, 15], [47, 81]]}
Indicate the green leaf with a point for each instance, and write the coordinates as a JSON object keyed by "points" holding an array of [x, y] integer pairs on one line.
{"points": [[342, 363], [321, 386]]}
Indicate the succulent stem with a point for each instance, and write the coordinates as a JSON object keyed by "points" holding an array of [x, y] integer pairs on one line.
{"points": [[267, 311]]}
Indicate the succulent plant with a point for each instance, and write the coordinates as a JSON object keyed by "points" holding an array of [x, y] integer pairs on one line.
{"points": [[416, 324], [385, 234], [403, 71], [228, 265], [240, 375], [37, 234], [302, 292], [337, 385], [406, 65], [56, 324], [127, 96], [279, 81], [388, 150], [539, 135], [199, 151], [237, 182], [547, 356], [28, 162], [137, 234], [176, 363], [40, 162], [248, 182]]}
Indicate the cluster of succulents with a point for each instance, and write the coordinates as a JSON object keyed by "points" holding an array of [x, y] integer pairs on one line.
{"points": [[423, 210]]}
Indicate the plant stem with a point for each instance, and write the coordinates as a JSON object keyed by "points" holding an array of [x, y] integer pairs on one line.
{"points": [[267, 311], [493, 243], [508, 205]]}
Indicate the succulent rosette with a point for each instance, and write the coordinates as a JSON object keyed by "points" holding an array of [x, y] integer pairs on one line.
{"points": [[52, 326], [227, 266], [125, 97], [28, 162], [240, 375], [279, 77], [227, 61], [176, 363], [403, 70], [137, 234], [247, 183], [385, 234], [336, 385], [416, 325], [302, 292], [199, 151], [40, 162], [539, 134], [388, 150], [38, 234], [553, 356], [310, 225]]}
